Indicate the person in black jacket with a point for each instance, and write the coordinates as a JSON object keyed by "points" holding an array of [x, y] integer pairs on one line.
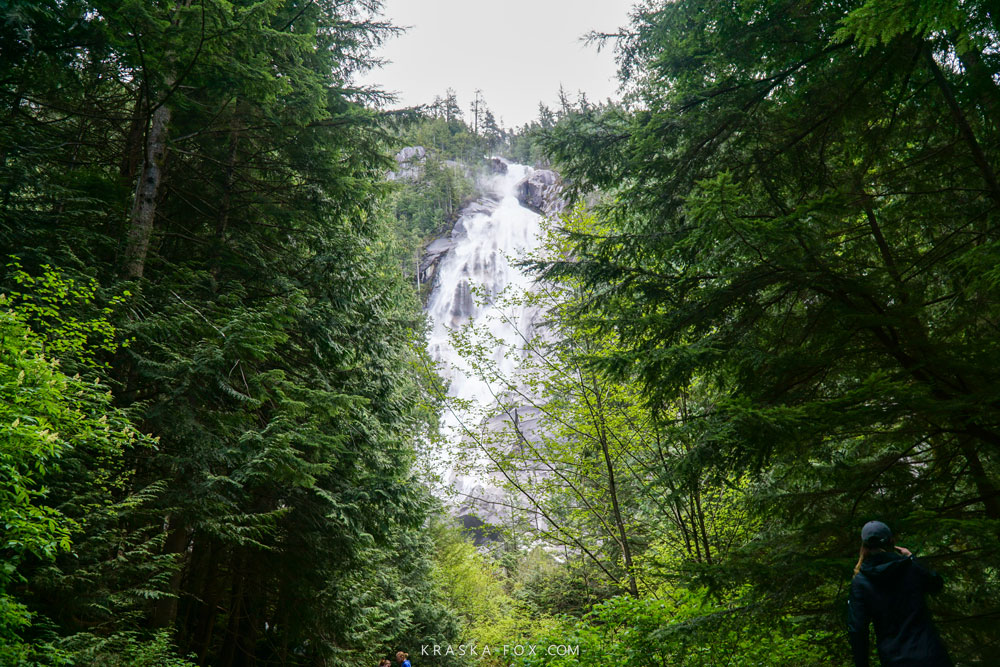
{"points": [[888, 591]]}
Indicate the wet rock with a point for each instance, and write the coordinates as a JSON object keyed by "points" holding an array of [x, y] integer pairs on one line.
{"points": [[463, 304], [541, 192], [483, 205], [497, 165], [433, 253], [438, 248]]}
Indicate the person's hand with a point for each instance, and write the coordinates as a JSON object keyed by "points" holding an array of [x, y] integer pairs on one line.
{"points": [[904, 551]]}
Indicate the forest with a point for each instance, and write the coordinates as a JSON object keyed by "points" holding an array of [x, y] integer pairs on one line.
{"points": [[769, 302]]}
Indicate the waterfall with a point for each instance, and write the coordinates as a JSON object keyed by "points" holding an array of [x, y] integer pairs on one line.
{"points": [[490, 236]]}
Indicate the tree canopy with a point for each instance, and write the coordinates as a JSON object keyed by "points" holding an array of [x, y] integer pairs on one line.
{"points": [[215, 160], [802, 216]]}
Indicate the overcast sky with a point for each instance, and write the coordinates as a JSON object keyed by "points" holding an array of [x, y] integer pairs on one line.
{"points": [[517, 51]]}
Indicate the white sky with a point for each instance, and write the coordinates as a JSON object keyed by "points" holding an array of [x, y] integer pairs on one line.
{"points": [[517, 51]]}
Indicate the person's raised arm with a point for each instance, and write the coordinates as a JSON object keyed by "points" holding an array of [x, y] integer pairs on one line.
{"points": [[933, 583]]}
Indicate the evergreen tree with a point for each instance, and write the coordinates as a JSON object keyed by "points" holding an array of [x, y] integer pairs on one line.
{"points": [[803, 220], [215, 159]]}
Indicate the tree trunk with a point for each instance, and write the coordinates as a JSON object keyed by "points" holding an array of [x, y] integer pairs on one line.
{"points": [[984, 485], [613, 490], [165, 610], [701, 524], [235, 612], [146, 190], [222, 221], [984, 87], [134, 148]]}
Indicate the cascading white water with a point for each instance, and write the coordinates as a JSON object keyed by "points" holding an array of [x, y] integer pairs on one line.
{"points": [[481, 264]]}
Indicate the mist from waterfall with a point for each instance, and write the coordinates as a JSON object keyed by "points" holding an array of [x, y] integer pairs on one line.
{"points": [[491, 235]]}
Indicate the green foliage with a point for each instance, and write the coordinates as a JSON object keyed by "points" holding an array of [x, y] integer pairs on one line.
{"points": [[47, 414], [792, 259], [220, 151], [48, 302], [432, 201], [63, 501], [476, 588], [528, 143], [428, 204], [127, 649], [524, 146], [35, 424], [491, 594], [685, 629], [880, 22], [449, 140]]}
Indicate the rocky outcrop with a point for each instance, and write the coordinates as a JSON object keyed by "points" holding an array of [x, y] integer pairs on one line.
{"points": [[497, 165], [433, 253], [411, 153], [410, 163], [541, 192]]}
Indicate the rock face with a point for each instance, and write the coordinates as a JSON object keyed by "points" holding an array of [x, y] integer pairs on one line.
{"points": [[541, 192], [411, 153], [410, 163], [433, 253], [497, 165]]}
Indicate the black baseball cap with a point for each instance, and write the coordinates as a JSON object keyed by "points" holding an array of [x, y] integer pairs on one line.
{"points": [[876, 534]]}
